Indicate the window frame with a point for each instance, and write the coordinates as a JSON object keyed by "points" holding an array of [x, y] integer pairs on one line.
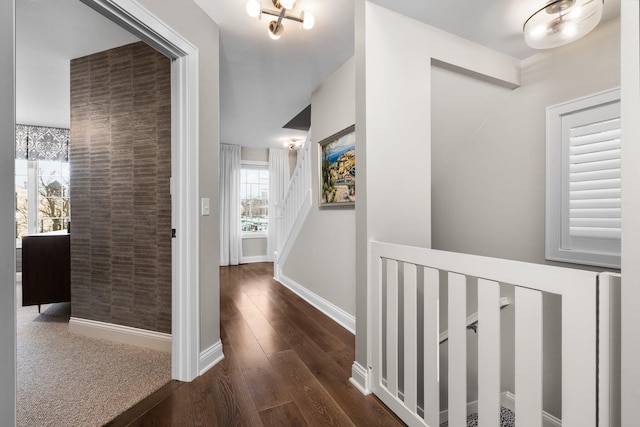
{"points": [[557, 247], [262, 165]]}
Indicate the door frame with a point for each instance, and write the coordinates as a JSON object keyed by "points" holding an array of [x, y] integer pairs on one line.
{"points": [[184, 174]]}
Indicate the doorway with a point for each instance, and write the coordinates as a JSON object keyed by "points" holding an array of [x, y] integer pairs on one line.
{"points": [[184, 183]]}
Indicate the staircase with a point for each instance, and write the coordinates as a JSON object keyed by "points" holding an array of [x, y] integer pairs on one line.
{"points": [[294, 208]]}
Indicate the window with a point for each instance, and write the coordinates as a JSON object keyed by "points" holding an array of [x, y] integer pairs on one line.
{"points": [[254, 199], [583, 222], [42, 196], [41, 180]]}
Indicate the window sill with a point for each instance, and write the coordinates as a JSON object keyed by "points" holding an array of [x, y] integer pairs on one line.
{"points": [[254, 235]]}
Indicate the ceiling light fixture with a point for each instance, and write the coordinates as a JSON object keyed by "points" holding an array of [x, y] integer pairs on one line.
{"points": [[276, 27], [294, 144], [561, 22]]}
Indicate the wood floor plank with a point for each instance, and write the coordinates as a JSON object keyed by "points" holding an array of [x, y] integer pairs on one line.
{"points": [[343, 358], [232, 393], [337, 330], [287, 415], [266, 336], [316, 404], [243, 302], [323, 338], [264, 383]]}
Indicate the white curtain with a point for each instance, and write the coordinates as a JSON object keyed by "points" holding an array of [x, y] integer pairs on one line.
{"points": [[279, 177], [230, 231]]}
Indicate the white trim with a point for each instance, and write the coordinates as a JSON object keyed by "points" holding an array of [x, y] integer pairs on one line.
{"points": [[603, 252], [337, 314], [254, 164], [360, 378], [257, 258], [549, 420], [507, 400], [184, 170], [186, 219], [122, 334], [254, 235], [210, 357]]}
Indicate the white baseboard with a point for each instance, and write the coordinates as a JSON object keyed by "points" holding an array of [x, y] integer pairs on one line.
{"points": [[507, 400], [211, 357], [122, 334], [360, 378], [257, 258], [340, 316]]}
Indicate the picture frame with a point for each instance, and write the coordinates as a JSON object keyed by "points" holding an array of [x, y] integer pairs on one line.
{"points": [[337, 169]]}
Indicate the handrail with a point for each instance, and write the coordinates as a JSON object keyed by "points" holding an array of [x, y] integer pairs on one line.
{"points": [[472, 320]]}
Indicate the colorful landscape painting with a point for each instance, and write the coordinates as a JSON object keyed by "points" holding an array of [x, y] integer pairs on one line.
{"points": [[338, 169]]}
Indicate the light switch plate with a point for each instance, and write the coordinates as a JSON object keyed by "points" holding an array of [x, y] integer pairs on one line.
{"points": [[205, 206]]}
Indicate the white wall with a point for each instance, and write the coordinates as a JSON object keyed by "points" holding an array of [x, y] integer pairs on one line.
{"points": [[488, 147], [323, 257], [190, 21], [630, 211], [7, 230], [42, 90]]}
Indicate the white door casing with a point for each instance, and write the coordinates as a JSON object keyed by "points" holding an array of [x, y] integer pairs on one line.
{"points": [[184, 171]]}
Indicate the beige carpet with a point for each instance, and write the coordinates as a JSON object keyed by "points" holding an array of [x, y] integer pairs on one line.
{"points": [[69, 380]]}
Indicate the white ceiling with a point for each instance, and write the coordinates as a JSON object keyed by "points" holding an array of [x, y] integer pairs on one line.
{"points": [[496, 24], [265, 83], [64, 29], [48, 34]]}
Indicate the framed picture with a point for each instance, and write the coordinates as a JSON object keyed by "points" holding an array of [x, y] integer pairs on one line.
{"points": [[337, 169]]}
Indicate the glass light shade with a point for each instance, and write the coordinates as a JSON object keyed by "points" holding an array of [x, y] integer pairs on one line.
{"points": [[253, 8], [275, 30], [308, 20], [287, 4], [561, 22]]}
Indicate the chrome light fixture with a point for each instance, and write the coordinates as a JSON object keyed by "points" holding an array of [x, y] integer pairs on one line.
{"points": [[561, 22], [276, 27], [294, 144]]}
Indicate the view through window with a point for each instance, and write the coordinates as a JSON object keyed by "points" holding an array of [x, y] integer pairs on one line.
{"points": [[42, 196], [254, 199]]}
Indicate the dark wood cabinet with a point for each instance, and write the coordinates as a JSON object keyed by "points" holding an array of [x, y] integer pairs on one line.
{"points": [[46, 268]]}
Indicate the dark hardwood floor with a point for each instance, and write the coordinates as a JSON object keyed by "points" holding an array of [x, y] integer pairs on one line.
{"points": [[286, 364]]}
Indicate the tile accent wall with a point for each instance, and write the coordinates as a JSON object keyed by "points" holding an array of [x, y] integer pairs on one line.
{"points": [[120, 154]]}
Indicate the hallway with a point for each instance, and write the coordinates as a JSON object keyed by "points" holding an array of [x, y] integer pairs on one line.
{"points": [[285, 364]]}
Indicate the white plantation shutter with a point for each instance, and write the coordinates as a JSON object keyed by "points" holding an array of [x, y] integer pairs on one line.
{"points": [[583, 181], [594, 180]]}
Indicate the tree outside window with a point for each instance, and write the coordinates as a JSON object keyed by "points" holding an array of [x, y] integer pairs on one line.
{"points": [[47, 183]]}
